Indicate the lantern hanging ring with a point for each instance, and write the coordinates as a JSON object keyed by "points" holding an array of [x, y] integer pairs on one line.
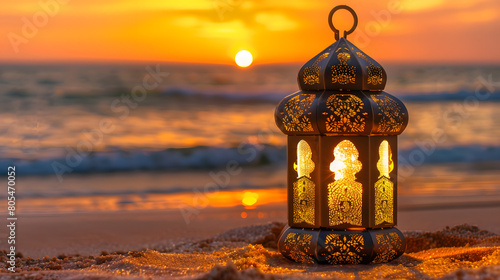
{"points": [[330, 21]]}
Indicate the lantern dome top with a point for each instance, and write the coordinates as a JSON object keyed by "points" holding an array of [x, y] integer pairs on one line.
{"points": [[342, 66]]}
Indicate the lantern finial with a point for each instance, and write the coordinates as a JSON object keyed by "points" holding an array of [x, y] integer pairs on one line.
{"points": [[330, 21]]}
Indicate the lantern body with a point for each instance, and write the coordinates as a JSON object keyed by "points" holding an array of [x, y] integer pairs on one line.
{"points": [[352, 197], [342, 161]]}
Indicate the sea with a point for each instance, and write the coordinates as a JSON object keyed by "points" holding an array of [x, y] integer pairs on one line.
{"points": [[116, 136]]}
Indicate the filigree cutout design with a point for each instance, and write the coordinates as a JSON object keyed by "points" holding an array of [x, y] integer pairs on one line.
{"points": [[345, 194], [344, 249], [384, 187], [304, 192], [374, 75], [303, 201], [389, 245], [391, 113], [295, 118], [311, 73], [297, 245], [384, 202], [343, 73], [374, 72], [347, 113]]}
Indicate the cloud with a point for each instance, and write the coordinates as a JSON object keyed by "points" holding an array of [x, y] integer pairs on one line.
{"points": [[275, 22], [300, 5], [187, 21], [171, 30], [477, 16], [234, 30], [419, 5]]}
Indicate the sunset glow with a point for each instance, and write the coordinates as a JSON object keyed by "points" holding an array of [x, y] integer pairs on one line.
{"points": [[212, 31], [249, 198]]}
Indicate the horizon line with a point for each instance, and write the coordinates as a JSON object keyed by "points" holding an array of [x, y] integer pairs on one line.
{"points": [[255, 64]]}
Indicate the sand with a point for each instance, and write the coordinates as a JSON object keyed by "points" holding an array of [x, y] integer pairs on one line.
{"points": [[90, 233], [219, 242], [461, 252]]}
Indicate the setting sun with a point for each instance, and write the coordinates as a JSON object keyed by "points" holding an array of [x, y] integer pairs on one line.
{"points": [[250, 198], [243, 58]]}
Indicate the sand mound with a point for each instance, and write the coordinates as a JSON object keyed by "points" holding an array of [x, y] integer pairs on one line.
{"points": [[458, 236]]}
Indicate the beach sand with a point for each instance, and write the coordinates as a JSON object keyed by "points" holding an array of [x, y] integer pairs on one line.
{"points": [[87, 233], [217, 245]]}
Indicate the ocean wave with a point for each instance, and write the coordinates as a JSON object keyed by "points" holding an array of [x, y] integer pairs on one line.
{"points": [[230, 95], [170, 159], [207, 158], [464, 154]]}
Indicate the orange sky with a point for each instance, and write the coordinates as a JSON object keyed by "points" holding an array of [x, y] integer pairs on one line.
{"points": [[212, 31]]}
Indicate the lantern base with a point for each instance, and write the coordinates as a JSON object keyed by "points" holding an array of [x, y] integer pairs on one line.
{"points": [[341, 247]]}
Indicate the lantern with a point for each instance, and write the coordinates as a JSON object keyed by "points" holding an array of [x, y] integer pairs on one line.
{"points": [[342, 159]]}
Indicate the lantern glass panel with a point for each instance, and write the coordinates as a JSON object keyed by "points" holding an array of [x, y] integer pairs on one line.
{"points": [[385, 165], [384, 192], [304, 188], [345, 194]]}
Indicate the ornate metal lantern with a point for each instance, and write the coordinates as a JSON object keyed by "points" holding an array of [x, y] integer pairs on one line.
{"points": [[342, 159]]}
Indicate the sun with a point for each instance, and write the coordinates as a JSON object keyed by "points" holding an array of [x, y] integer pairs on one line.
{"points": [[243, 58]]}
